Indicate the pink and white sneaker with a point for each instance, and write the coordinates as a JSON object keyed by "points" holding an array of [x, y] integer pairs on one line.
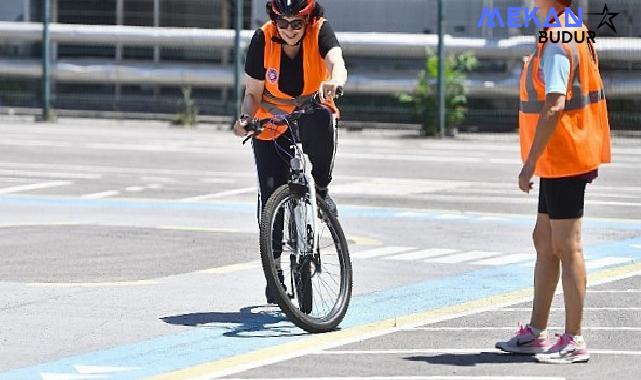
{"points": [[525, 341], [567, 350]]}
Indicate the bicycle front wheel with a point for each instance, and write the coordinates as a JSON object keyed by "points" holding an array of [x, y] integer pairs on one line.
{"points": [[312, 287]]}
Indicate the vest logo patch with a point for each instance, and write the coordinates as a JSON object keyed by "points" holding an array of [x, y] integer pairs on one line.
{"points": [[272, 75]]}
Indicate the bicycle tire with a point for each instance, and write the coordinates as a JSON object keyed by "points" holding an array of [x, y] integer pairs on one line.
{"points": [[292, 310]]}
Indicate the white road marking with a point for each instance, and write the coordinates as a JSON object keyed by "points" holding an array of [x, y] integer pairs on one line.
{"points": [[507, 259], [104, 194], [219, 180], [410, 351], [158, 179], [607, 261], [395, 186], [69, 376], [638, 246], [437, 351], [492, 219], [376, 252], [451, 217], [160, 173], [442, 377], [48, 174], [16, 180], [30, 142], [102, 370], [33, 186], [415, 323], [410, 157], [615, 291], [422, 254], [380, 156], [585, 308], [86, 373], [134, 189], [222, 194], [462, 257], [154, 186], [512, 328], [509, 199]]}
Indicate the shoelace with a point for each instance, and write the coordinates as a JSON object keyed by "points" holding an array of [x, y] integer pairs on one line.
{"points": [[562, 341], [523, 330]]}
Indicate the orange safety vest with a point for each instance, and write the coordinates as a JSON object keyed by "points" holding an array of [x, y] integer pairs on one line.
{"points": [[314, 72], [581, 140]]}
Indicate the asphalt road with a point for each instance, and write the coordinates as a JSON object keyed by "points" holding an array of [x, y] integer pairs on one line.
{"points": [[129, 251]]}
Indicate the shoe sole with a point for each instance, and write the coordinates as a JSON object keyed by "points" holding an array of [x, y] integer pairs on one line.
{"points": [[578, 359], [520, 350]]}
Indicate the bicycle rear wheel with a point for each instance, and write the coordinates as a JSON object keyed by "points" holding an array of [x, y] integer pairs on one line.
{"points": [[317, 286]]}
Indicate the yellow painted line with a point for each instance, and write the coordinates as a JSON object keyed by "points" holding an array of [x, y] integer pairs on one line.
{"points": [[363, 240], [315, 343], [614, 274], [233, 268], [92, 284]]}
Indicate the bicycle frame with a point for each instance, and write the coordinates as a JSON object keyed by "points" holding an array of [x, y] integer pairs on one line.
{"points": [[300, 170], [301, 176]]}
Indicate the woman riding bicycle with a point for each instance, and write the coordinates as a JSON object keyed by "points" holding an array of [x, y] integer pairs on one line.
{"points": [[290, 58]]}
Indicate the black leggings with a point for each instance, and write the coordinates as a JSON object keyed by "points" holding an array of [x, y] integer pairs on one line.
{"points": [[318, 136]]}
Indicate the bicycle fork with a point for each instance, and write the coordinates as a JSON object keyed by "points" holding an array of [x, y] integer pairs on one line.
{"points": [[303, 178]]}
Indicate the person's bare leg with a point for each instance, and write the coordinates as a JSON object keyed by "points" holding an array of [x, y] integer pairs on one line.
{"points": [[566, 243], [546, 272]]}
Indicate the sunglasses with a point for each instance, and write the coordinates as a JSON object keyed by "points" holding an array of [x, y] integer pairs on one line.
{"points": [[299, 24]]}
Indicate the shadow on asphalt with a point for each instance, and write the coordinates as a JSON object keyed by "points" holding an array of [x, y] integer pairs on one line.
{"points": [[471, 360], [248, 322]]}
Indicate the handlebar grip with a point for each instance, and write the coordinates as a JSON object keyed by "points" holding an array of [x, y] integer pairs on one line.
{"points": [[255, 126], [339, 92]]}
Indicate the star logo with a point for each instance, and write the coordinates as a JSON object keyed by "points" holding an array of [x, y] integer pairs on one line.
{"points": [[607, 18]]}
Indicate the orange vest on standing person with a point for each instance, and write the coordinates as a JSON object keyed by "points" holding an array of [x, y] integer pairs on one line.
{"points": [[314, 72], [581, 140]]}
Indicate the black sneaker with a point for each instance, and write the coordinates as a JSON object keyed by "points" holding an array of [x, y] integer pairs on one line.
{"points": [[331, 205], [271, 298]]}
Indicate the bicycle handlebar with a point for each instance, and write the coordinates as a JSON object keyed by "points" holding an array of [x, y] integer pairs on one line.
{"points": [[257, 125]]}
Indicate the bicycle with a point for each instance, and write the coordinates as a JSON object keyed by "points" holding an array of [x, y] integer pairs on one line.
{"points": [[297, 222]]}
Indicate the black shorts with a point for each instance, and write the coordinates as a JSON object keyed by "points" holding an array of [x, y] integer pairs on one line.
{"points": [[562, 198]]}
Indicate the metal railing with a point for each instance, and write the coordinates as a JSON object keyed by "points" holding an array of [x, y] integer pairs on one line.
{"points": [[380, 45]]}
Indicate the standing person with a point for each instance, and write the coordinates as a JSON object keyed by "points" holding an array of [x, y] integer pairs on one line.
{"points": [[291, 57], [565, 136]]}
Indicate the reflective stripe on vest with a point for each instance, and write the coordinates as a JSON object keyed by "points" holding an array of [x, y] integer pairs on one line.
{"points": [[576, 103], [271, 103]]}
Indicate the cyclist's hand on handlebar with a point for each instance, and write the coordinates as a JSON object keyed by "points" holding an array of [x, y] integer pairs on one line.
{"points": [[240, 126], [329, 89]]}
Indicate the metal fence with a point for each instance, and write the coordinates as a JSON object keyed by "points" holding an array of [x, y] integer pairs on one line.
{"points": [[141, 52]]}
